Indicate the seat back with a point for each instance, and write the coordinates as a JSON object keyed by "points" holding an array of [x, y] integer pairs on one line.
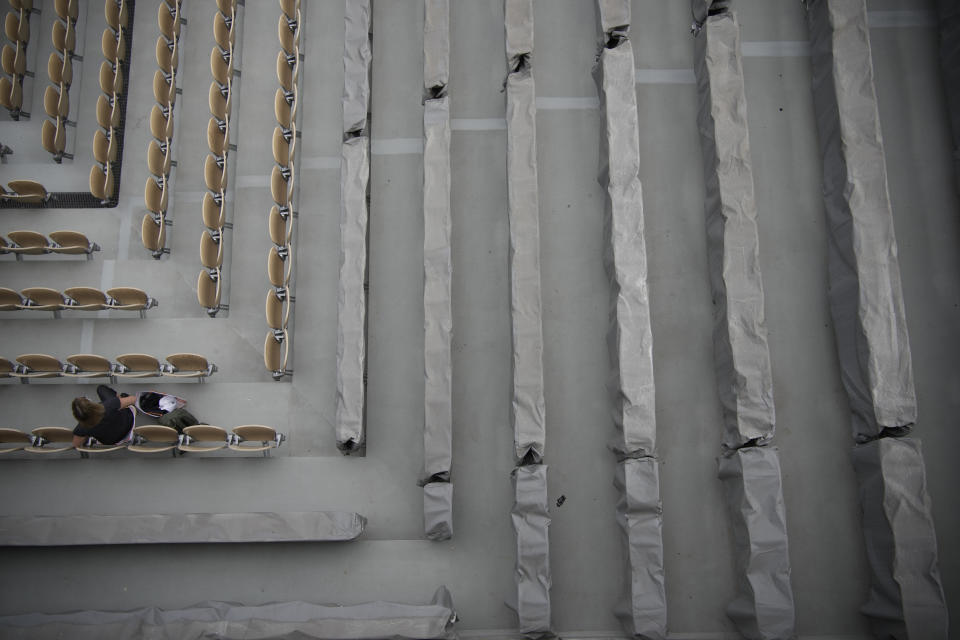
{"points": [[275, 354], [87, 363], [72, 242], [153, 235], [130, 297], [86, 298], [30, 242], [10, 300], [40, 363], [13, 440], [138, 363], [211, 251], [214, 215], [208, 290], [42, 298]]}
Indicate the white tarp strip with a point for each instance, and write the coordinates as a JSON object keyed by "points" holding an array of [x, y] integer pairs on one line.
{"points": [[380, 620], [518, 22], [356, 65], [741, 354], [865, 294], [763, 606], [630, 339], [438, 510], [906, 598], [643, 611], [949, 14], [531, 521], [614, 15], [351, 296], [83, 529], [436, 43]]}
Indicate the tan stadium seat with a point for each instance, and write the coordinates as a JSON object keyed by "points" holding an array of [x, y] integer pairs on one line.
{"points": [[154, 438], [168, 21], [280, 227], [158, 162], [56, 103], [281, 148], [85, 299], [156, 195], [168, 54], [6, 367], [64, 37], [28, 243], [115, 11], [91, 445], [136, 365], [29, 191], [227, 7], [286, 74], [161, 126], [53, 138], [219, 101], [111, 78], [153, 235], [201, 438], [278, 268], [164, 89], [24, 5], [211, 251], [6, 95], [73, 243], [277, 312], [10, 300], [214, 176], [60, 437], [281, 185], [214, 214], [14, 59], [282, 110], [208, 292], [13, 440], [42, 299], [275, 355], [4, 245], [217, 141], [286, 36], [67, 9], [101, 182], [60, 70], [224, 35], [108, 112], [256, 437], [290, 8], [104, 148], [130, 299], [37, 365], [17, 27], [87, 365], [188, 365], [114, 48], [221, 67]]}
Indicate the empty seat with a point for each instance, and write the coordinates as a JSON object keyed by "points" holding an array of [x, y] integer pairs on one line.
{"points": [[42, 299], [60, 70], [290, 8], [208, 291], [201, 438], [104, 147], [113, 47], [214, 175], [101, 182], [29, 191], [13, 440], [224, 35], [49, 440], [286, 73], [154, 438], [153, 235], [108, 113], [282, 110], [14, 60], [17, 27], [67, 9], [130, 298], [155, 195], [164, 89], [275, 354], [280, 226], [91, 445], [281, 188], [286, 35], [56, 103], [37, 365], [158, 162], [85, 299], [221, 67], [218, 141], [278, 314], [188, 365], [168, 55], [136, 365], [278, 269], [87, 365], [64, 37], [161, 125], [282, 148], [28, 243], [6, 367], [256, 437], [211, 252], [53, 137], [115, 11], [227, 7], [10, 300], [111, 78], [72, 242], [168, 20], [214, 213]]}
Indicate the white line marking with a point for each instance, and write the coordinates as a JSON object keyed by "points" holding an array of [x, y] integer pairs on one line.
{"points": [[567, 103], [478, 124], [665, 76], [896, 19], [396, 146], [776, 49]]}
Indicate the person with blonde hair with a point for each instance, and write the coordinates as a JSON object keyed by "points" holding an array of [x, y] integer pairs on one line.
{"points": [[109, 421]]}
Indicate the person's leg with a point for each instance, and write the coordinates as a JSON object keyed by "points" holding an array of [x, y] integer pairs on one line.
{"points": [[105, 392]]}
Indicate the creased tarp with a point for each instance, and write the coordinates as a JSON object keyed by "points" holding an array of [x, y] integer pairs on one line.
{"points": [[351, 297], [699, 8], [380, 620], [906, 597], [866, 300], [518, 21], [438, 510], [437, 274], [436, 43], [529, 412], [531, 521], [85, 529], [741, 354], [356, 65], [614, 14], [763, 607], [629, 338], [643, 611], [949, 11]]}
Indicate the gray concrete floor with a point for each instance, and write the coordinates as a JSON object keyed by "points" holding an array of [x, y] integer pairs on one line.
{"points": [[391, 561]]}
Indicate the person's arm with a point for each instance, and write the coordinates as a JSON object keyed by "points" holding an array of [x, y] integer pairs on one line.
{"points": [[127, 401], [78, 441]]}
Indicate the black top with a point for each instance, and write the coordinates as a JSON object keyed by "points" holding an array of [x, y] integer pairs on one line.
{"points": [[116, 423]]}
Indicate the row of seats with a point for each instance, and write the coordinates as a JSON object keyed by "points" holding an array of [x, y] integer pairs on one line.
{"points": [[14, 57], [32, 243], [56, 98], [105, 142], [153, 233], [280, 220], [222, 58], [76, 299], [148, 439], [26, 191], [88, 365]]}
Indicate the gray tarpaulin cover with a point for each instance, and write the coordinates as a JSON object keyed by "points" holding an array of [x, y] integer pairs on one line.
{"points": [[436, 43], [864, 274], [630, 340], [287, 526], [351, 297], [763, 607], [614, 14], [741, 354], [531, 521], [438, 510], [225, 620], [356, 65], [906, 597], [518, 19], [643, 612], [949, 11]]}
